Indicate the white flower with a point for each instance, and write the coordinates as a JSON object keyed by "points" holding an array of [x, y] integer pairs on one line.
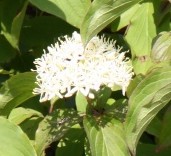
{"points": [[67, 68]]}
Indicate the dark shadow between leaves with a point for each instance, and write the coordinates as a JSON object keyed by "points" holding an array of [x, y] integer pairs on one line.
{"points": [[55, 126]]}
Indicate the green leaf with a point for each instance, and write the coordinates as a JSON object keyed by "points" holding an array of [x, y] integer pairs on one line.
{"points": [[102, 13], [87, 148], [12, 20], [53, 127], [15, 91], [13, 141], [73, 140], [71, 11], [165, 135], [155, 126], [116, 108], [124, 19], [106, 136], [142, 30], [161, 14], [142, 64], [143, 27], [144, 22], [161, 50], [98, 102], [101, 97], [20, 114], [7, 52], [149, 97], [133, 84], [81, 102]]}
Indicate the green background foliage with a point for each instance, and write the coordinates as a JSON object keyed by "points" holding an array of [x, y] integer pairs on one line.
{"points": [[112, 124]]}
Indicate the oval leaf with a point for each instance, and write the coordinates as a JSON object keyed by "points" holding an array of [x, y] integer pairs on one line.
{"points": [[7, 52], [12, 20], [15, 91], [53, 127], [106, 136], [165, 135], [154, 128], [71, 11], [161, 50], [81, 102], [19, 114], [142, 30], [13, 141], [102, 13], [124, 19], [150, 96]]}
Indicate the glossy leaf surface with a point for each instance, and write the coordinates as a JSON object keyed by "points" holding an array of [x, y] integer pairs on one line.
{"points": [[71, 11], [149, 97], [13, 140], [53, 127], [102, 13], [15, 91], [106, 136]]}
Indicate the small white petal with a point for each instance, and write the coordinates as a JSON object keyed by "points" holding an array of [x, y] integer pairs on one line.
{"points": [[91, 96], [67, 67]]}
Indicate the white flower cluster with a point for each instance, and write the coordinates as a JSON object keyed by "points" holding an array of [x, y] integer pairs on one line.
{"points": [[68, 67]]}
